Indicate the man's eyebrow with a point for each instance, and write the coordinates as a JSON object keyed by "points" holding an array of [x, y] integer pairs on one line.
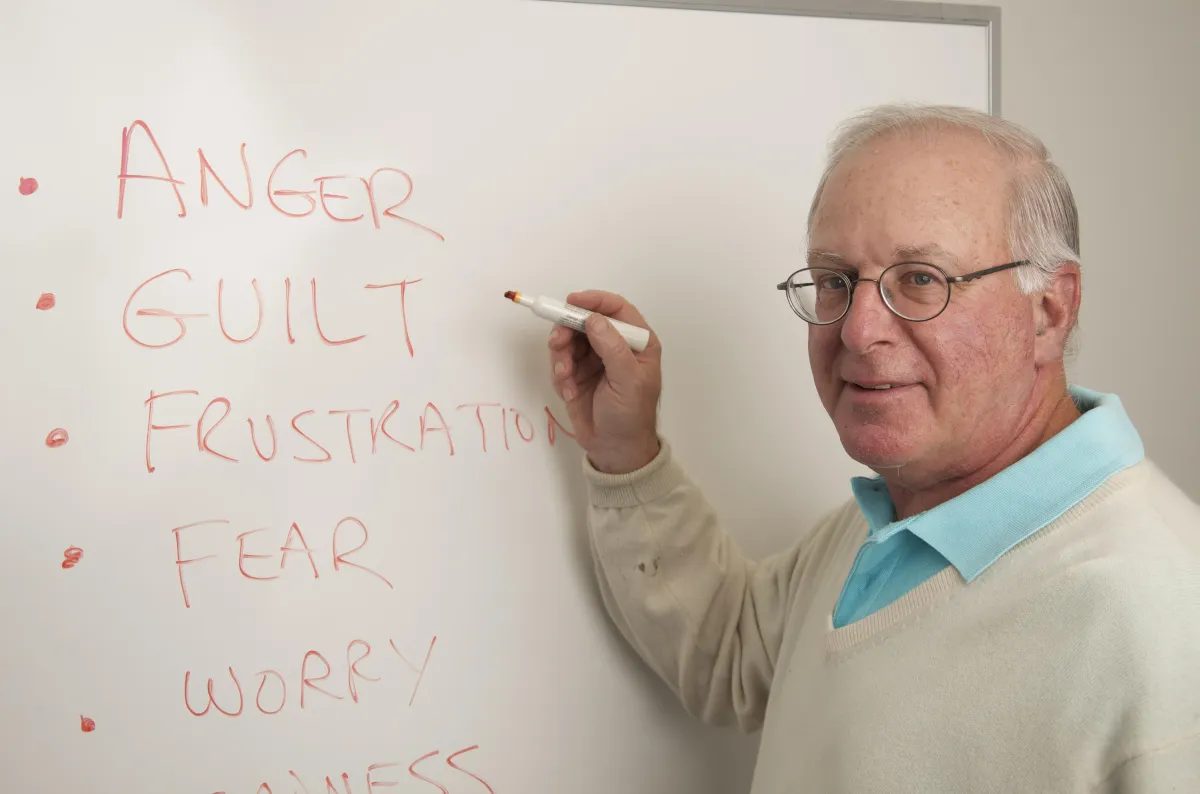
{"points": [[817, 256], [923, 253]]}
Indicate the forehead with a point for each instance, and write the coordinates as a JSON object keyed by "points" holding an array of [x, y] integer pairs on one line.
{"points": [[944, 188]]}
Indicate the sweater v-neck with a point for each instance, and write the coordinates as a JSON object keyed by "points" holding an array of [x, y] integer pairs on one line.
{"points": [[948, 584]]}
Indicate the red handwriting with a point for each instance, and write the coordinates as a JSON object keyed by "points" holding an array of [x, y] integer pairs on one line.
{"points": [[27, 186], [86, 724], [412, 770], [258, 703], [153, 333], [274, 443], [257, 323], [349, 537], [151, 427], [553, 426], [178, 318], [328, 457], [300, 202], [403, 285], [483, 426], [287, 309], [56, 438], [313, 436], [202, 435], [450, 763], [317, 322], [71, 557], [241, 702], [321, 180], [45, 302], [125, 176], [206, 168], [440, 770], [315, 676]]}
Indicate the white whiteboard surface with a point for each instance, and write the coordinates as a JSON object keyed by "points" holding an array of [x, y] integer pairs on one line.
{"points": [[666, 154]]}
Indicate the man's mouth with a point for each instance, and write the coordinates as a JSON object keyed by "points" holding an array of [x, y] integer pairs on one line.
{"points": [[880, 387]]}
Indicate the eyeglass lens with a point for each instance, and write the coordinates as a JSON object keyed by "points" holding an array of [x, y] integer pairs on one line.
{"points": [[913, 290]]}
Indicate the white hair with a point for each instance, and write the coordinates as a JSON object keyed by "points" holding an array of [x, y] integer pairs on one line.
{"points": [[1043, 225]]}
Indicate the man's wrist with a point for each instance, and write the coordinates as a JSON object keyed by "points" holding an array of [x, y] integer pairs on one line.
{"points": [[628, 463]]}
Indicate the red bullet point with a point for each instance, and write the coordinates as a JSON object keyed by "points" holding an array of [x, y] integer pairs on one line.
{"points": [[56, 438], [87, 724], [46, 301], [71, 556], [28, 185]]}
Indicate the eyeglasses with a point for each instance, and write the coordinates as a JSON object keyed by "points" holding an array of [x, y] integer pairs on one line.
{"points": [[914, 291]]}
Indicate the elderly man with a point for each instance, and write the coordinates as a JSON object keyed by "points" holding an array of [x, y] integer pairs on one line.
{"points": [[1013, 603]]}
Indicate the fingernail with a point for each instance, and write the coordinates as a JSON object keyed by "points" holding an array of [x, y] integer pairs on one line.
{"points": [[560, 369], [568, 394]]}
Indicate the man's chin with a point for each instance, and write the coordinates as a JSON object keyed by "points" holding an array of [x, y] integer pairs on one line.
{"points": [[877, 447]]}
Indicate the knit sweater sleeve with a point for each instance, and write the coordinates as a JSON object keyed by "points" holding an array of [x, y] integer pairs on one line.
{"points": [[1174, 766], [706, 619]]}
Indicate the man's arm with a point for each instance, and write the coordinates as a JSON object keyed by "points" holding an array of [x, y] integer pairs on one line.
{"points": [[709, 621], [1175, 766]]}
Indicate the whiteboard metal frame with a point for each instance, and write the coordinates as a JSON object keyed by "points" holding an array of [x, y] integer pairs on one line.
{"points": [[891, 10]]}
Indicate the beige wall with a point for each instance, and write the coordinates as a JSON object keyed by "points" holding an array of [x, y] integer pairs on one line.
{"points": [[1113, 88]]}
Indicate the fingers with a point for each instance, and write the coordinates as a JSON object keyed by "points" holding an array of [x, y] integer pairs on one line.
{"points": [[565, 348], [615, 353], [578, 359], [610, 305], [581, 369], [580, 380], [588, 369], [575, 370], [560, 337]]}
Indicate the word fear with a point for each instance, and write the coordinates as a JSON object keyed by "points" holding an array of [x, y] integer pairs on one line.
{"points": [[293, 543]]}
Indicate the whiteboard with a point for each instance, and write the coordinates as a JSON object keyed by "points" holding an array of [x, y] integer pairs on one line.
{"points": [[391, 565]]}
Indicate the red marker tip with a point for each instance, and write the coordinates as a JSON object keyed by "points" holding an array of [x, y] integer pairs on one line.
{"points": [[512, 296]]}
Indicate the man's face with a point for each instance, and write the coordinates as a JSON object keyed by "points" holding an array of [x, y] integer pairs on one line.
{"points": [[962, 382]]}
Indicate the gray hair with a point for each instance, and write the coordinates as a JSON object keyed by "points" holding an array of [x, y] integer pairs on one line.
{"points": [[1043, 222]]}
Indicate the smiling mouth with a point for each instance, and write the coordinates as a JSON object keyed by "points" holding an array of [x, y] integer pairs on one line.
{"points": [[876, 387]]}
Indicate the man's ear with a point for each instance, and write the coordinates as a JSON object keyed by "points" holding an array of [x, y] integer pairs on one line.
{"points": [[1055, 312]]}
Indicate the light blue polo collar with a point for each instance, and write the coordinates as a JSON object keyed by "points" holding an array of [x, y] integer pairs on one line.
{"points": [[976, 528]]}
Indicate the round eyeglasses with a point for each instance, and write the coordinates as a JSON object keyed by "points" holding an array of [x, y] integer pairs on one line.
{"points": [[914, 291]]}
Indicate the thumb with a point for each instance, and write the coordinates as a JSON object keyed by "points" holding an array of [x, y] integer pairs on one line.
{"points": [[611, 347]]}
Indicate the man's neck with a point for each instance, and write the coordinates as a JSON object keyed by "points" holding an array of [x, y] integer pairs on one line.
{"points": [[1050, 418]]}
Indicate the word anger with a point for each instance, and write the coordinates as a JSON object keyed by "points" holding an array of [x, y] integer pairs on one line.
{"points": [[272, 694], [180, 330], [294, 536], [259, 441], [300, 203], [449, 773]]}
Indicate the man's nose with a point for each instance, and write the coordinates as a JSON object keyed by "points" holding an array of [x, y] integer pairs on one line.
{"points": [[868, 321]]}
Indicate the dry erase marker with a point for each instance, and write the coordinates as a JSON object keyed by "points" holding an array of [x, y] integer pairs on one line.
{"points": [[557, 311]]}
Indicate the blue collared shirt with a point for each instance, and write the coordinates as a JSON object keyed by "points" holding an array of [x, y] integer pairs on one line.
{"points": [[974, 529]]}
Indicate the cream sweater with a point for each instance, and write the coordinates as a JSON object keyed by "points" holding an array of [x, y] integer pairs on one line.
{"points": [[1071, 665]]}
